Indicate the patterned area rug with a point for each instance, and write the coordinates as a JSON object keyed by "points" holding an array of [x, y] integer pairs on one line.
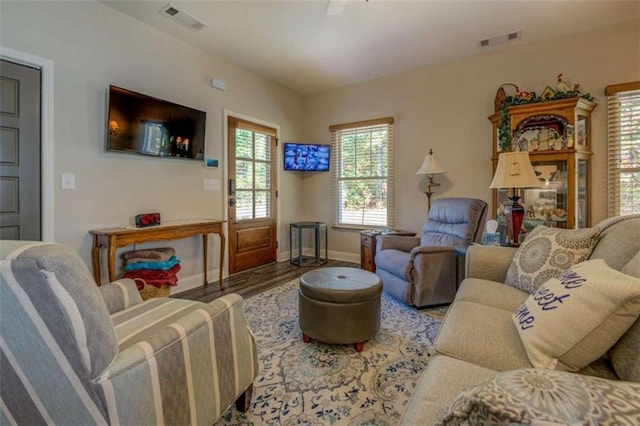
{"points": [[318, 384]]}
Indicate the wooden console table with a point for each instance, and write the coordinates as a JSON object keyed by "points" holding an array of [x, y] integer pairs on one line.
{"points": [[112, 238]]}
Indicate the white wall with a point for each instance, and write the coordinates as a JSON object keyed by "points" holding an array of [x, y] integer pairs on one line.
{"points": [[93, 46], [446, 107]]}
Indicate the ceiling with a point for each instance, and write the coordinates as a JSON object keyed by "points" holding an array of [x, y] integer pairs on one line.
{"points": [[299, 46]]}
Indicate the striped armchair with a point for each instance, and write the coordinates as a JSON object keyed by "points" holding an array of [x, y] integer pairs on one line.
{"points": [[75, 353]]}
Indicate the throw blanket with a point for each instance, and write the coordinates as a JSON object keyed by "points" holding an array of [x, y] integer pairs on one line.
{"points": [[162, 253], [152, 274], [154, 277], [161, 266], [140, 282]]}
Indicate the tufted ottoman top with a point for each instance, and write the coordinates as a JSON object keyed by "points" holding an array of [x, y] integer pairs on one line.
{"points": [[340, 285]]}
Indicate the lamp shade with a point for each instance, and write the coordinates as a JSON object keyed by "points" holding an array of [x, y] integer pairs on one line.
{"points": [[431, 165], [514, 171]]}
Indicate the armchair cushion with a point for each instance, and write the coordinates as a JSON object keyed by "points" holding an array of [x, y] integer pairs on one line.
{"points": [[395, 242], [573, 319], [120, 294], [547, 252], [454, 221], [538, 396]]}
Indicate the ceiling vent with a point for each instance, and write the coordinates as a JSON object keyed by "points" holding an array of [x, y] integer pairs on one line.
{"points": [[170, 11], [499, 39]]}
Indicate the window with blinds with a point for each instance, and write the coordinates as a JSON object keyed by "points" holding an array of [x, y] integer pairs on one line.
{"points": [[362, 177], [623, 106]]}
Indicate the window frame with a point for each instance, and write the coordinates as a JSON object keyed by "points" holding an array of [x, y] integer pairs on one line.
{"points": [[616, 94], [339, 130]]}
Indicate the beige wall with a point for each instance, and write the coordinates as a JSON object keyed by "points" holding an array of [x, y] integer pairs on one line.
{"points": [[446, 107], [93, 46]]}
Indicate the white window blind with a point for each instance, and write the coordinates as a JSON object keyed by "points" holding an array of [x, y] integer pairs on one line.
{"points": [[362, 176], [623, 106]]}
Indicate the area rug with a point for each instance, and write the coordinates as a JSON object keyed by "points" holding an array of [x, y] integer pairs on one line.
{"points": [[320, 384]]}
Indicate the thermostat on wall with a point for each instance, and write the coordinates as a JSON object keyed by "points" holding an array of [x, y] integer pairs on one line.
{"points": [[211, 162]]}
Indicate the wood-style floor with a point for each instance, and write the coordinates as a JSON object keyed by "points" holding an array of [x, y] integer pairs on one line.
{"points": [[255, 281]]}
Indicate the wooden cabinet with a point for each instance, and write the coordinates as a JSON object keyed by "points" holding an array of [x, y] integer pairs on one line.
{"points": [[368, 246], [367, 251], [557, 135]]}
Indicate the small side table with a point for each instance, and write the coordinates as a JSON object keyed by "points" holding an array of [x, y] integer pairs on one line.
{"points": [[368, 246], [298, 227]]}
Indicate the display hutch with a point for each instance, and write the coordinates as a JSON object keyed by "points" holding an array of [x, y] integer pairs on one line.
{"points": [[557, 135]]}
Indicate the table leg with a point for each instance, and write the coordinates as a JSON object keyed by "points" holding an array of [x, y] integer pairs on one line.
{"points": [[326, 244], [299, 246], [222, 248], [111, 258], [95, 260], [317, 231], [205, 249]]}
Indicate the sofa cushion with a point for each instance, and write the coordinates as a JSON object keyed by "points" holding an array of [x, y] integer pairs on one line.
{"points": [[619, 240], [441, 382], [547, 252], [482, 335], [536, 396], [575, 318], [491, 293], [625, 354]]}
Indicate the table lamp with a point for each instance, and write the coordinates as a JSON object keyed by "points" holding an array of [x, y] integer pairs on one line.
{"points": [[430, 166], [514, 171]]}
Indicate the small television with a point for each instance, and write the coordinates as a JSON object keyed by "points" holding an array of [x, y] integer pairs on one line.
{"points": [[306, 157], [142, 124]]}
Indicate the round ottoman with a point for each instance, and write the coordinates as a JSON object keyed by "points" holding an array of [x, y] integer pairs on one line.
{"points": [[339, 305]]}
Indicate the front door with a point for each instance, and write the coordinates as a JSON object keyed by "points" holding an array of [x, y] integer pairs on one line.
{"points": [[20, 210], [252, 195]]}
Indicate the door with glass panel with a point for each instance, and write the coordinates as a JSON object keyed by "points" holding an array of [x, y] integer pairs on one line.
{"points": [[252, 195]]}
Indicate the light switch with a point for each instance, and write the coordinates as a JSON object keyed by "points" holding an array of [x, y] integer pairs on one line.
{"points": [[211, 184], [68, 181]]}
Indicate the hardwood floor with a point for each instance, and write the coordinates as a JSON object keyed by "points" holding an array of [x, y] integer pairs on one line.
{"points": [[255, 281]]}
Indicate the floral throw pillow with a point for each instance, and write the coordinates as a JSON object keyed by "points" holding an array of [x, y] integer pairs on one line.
{"points": [[547, 252], [535, 396]]}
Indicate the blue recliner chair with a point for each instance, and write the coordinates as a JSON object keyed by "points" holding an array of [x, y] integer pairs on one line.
{"points": [[421, 271]]}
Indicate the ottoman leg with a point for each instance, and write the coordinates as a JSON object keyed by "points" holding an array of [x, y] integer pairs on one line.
{"points": [[359, 346], [305, 338]]}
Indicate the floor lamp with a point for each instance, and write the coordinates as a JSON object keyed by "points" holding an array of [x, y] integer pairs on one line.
{"points": [[430, 166], [514, 171]]}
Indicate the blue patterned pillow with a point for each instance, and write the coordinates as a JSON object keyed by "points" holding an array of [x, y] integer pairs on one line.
{"points": [[537, 396], [548, 252]]}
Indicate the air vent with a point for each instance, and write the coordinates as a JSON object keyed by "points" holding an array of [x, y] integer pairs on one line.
{"points": [[499, 39], [170, 11]]}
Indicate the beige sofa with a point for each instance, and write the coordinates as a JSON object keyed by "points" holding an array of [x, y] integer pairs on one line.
{"points": [[478, 342]]}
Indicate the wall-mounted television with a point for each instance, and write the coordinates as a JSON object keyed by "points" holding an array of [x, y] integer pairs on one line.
{"points": [[142, 124], [306, 157]]}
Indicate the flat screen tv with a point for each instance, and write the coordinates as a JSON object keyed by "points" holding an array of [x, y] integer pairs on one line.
{"points": [[306, 157], [141, 124]]}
